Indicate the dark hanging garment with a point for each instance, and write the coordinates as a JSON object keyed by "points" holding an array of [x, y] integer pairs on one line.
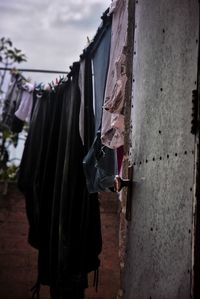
{"points": [[54, 234], [34, 150], [45, 184], [89, 120], [80, 232]]}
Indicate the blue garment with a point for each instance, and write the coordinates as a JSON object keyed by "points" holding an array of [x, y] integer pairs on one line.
{"points": [[100, 166], [100, 65], [100, 163]]}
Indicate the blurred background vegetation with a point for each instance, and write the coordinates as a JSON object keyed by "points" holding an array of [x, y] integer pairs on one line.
{"points": [[10, 56]]}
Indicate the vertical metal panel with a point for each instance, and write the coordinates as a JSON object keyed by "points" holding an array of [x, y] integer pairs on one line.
{"points": [[159, 247]]}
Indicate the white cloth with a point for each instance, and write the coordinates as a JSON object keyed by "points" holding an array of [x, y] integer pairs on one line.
{"points": [[24, 110], [112, 131], [28, 87]]}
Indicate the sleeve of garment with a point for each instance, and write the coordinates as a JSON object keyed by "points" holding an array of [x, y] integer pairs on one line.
{"points": [[17, 125]]}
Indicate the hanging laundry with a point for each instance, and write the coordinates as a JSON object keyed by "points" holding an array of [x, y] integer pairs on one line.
{"points": [[112, 131], [64, 218], [18, 103], [100, 167], [65, 164], [12, 100], [56, 205], [100, 163], [100, 53], [80, 229], [32, 163], [25, 107]]}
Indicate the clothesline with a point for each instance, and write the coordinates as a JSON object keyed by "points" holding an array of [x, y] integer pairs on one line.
{"points": [[34, 70]]}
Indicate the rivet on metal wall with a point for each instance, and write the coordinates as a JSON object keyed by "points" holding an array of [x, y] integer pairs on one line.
{"points": [[185, 152], [197, 41], [163, 31], [191, 189], [167, 156], [195, 82], [153, 159], [140, 162], [159, 132], [188, 271], [189, 231], [160, 158], [146, 161], [161, 89], [176, 154], [134, 52], [151, 228]]}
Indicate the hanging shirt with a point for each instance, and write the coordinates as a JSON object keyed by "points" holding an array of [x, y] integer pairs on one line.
{"points": [[112, 132], [12, 101], [100, 162], [24, 110]]}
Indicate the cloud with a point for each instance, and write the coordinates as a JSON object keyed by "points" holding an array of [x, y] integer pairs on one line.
{"points": [[51, 33], [80, 14], [20, 7]]}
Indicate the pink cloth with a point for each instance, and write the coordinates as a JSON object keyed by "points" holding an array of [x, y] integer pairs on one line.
{"points": [[112, 131]]}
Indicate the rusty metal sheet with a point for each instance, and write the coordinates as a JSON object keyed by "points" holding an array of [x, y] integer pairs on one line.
{"points": [[159, 244]]}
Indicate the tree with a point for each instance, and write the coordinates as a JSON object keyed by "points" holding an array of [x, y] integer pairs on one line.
{"points": [[9, 55]]}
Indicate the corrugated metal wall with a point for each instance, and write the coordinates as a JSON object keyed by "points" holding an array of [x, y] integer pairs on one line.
{"points": [[159, 243]]}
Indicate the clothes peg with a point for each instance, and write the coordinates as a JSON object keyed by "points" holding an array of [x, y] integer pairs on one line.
{"points": [[120, 183], [53, 86]]}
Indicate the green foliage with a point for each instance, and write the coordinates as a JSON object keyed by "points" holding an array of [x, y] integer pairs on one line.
{"points": [[9, 174], [8, 56]]}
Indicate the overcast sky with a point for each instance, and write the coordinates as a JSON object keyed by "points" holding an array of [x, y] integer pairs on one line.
{"points": [[52, 34]]}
